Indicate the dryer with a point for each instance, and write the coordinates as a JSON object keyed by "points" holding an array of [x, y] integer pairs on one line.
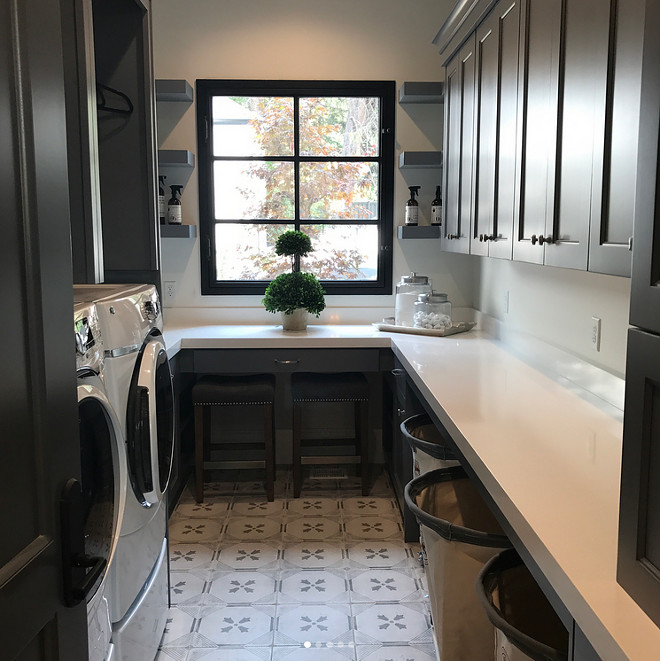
{"points": [[138, 381], [102, 488]]}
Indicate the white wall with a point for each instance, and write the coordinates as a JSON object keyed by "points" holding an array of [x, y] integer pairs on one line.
{"points": [[556, 305], [308, 39]]}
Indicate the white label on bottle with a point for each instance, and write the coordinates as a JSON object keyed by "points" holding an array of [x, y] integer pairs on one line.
{"points": [[436, 214], [412, 215], [174, 214], [161, 207]]}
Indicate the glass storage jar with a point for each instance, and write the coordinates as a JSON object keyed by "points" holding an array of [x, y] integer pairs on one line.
{"points": [[432, 311], [407, 291]]}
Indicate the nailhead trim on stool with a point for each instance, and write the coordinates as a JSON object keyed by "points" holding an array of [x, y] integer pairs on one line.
{"points": [[337, 387], [254, 390]]}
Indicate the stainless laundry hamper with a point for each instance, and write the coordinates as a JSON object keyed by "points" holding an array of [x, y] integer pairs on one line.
{"points": [[460, 534], [526, 626]]}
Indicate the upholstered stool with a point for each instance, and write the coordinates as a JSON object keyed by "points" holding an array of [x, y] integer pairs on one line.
{"points": [[340, 387], [253, 390]]}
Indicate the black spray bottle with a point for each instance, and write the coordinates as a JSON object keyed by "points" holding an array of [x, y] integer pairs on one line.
{"points": [[174, 206], [436, 208], [412, 207], [162, 207]]}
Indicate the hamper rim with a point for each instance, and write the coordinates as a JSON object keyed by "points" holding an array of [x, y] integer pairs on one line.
{"points": [[448, 531], [435, 450], [537, 650]]}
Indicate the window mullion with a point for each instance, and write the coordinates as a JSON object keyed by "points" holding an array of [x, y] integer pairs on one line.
{"points": [[296, 162]]}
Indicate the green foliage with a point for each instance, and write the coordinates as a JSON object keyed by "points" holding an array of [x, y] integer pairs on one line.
{"points": [[293, 243], [290, 291]]}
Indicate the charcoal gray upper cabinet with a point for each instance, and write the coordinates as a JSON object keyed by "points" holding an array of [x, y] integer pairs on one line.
{"points": [[645, 294], [554, 129], [112, 142], [639, 519], [584, 73], [538, 103], [459, 149], [495, 131]]}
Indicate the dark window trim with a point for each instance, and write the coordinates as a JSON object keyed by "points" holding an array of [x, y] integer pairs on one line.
{"points": [[207, 88]]}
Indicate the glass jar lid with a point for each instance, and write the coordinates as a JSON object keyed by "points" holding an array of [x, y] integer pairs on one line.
{"points": [[415, 279], [433, 297]]}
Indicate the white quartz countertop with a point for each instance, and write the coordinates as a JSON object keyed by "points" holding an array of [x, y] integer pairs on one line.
{"points": [[550, 458]]}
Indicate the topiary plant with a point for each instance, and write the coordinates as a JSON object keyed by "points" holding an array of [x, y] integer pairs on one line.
{"points": [[289, 292]]}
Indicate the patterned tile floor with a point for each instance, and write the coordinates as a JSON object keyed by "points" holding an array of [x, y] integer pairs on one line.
{"points": [[323, 577]]}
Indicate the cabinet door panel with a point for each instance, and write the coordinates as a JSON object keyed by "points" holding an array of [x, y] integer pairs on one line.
{"points": [[451, 149], [508, 23], [495, 131], [460, 135], [585, 48], [538, 95], [645, 296], [639, 523], [611, 229], [487, 65]]}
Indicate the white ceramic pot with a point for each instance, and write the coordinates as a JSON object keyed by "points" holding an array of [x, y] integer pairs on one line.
{"points": [[296, 321]]}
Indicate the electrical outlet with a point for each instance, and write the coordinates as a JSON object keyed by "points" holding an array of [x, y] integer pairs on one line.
{"points": [[595, 333], [169, 290]]}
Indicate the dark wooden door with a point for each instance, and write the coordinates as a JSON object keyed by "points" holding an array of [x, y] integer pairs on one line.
{"points": [[645, 295], [40, 450], [459, 148]]}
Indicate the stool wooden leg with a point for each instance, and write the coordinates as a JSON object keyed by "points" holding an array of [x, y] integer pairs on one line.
{"points": [[199, 453], [297, 461], [362, 424], [269, 443]]}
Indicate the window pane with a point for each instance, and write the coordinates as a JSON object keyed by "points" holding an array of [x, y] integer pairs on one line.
{"points": [[338, 190], [252, 126], [245, 190], [342, 252], [247, 252], [339, 126]]}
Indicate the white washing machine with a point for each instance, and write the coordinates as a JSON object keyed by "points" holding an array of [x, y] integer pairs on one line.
{"points": [[138, 381], [99, 497]]}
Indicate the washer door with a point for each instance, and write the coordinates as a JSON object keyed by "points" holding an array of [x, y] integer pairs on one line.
{"points": [[150, 422], [101, 472]]}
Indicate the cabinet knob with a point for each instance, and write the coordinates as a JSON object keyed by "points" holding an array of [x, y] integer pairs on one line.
{"points": [[489, 237], [544, 239], [481, 237], [534, 239], [450, 236]]}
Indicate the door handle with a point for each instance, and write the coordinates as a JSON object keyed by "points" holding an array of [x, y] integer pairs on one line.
{"points": [[77, 582]]}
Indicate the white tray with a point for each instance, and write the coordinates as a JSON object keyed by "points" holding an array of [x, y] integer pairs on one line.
{"points": [[456, 327]]}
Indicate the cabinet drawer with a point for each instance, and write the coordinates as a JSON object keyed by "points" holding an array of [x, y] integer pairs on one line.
{"points": [[221, 361]]}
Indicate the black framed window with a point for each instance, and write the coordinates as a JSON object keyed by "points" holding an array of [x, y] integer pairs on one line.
{"points": [[314, 156]]}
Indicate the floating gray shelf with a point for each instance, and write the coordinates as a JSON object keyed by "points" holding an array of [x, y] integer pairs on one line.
{"points": [[175, 158], [174, 90], [420, 159], [418, 231], [178, 231], [415, 92]]}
